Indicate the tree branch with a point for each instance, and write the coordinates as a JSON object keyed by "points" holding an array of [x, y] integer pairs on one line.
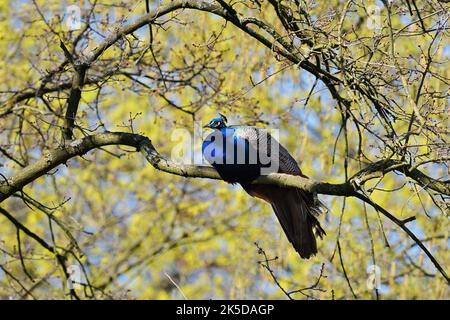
{"points": [[75, 92], [58, 156], [84, 145]]}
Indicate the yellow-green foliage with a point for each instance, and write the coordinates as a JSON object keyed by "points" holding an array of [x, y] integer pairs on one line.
{"points": [[139, 230]]}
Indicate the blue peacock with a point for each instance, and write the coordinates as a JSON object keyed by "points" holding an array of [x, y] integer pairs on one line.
{"points": [[240, 154]]}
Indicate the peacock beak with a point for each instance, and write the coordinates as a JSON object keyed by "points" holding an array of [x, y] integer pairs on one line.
{"points": [[207, 126]]}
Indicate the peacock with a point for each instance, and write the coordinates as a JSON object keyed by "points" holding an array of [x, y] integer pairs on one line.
{"points": [[240, 154]]}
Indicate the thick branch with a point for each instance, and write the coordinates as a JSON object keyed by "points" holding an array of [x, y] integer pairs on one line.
{"points": [[82, 146], [74, 100], [75, 92], [284, 180], [56, 157]]}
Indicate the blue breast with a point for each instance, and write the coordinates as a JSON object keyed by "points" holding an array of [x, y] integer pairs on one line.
{"points": [[231, 155]]}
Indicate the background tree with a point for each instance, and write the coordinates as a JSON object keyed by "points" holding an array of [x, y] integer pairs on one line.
{"points": [[359, 91]]}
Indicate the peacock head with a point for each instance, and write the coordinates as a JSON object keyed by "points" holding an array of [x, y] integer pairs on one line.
{"points": [[217, 123]]}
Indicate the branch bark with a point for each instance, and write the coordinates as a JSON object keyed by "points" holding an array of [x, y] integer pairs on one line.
{"points": [[60, 155], [74, 100], [81, 146], [75, 92], [84, 145]]}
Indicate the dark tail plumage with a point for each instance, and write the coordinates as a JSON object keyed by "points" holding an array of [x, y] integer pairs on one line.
{"points": [[297, 211]]}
